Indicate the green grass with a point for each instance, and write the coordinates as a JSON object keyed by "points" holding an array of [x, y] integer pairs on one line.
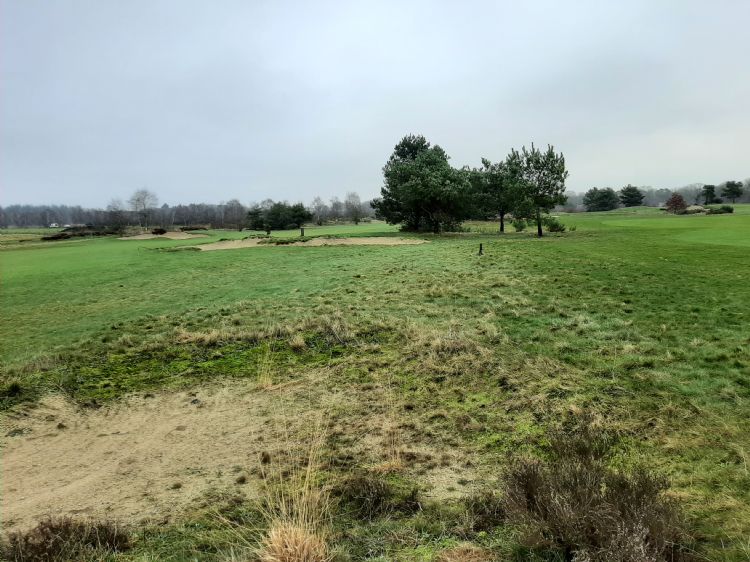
{"points": [[641, 317]]}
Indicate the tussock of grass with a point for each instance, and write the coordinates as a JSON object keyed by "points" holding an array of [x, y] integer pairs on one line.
{"points": [[62, 539]]}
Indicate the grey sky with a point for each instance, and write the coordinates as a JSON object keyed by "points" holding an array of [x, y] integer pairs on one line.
{"points": [[210, 100]]}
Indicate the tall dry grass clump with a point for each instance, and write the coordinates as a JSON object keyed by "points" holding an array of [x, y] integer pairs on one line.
{"points": [[297, 508]]}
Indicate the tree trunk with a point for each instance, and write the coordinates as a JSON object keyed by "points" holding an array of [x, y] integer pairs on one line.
{"points": [[539, 223], [502, 222]]}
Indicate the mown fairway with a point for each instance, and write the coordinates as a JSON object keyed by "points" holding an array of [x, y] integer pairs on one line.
{"points": [[640, 318]]}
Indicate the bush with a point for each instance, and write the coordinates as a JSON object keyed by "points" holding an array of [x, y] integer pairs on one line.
{"points": [[676, 204], [369, 496], [553, 225], [724, 209], [485, 510], [63, 539], [575, 505], [519, 225], [159, 231]]}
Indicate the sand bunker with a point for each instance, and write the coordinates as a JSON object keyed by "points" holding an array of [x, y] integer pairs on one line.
{"points": [[322, 241], [168, 235], [154, 457]]}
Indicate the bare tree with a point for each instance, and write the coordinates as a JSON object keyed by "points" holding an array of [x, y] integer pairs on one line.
{"points": [[141, 202], [336, 208], [353, 207], [234, 214], [116, 214], [319, 211]]}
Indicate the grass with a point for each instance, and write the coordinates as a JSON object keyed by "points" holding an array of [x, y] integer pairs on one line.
{"points": [[639, 317]]}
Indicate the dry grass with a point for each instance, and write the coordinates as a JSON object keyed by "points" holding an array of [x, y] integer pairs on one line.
{"points": [[297, 509], [465, 553], [64, 539]]}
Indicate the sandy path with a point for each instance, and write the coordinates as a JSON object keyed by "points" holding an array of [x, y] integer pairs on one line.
{"points": [[138, 460], [321, 241], [168, 236], [154, 458]]}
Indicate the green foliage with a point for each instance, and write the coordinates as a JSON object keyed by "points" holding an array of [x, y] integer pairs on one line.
{"points": [[277, 216], [604, 199], [422, 191], [631, 196], [708, 192], [723, 210], [552, 224], [497, 188], [732, 190], [519, 224], [543, 175]]}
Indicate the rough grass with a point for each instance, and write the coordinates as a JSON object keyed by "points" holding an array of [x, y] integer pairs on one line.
{"points": [[639, 317]]}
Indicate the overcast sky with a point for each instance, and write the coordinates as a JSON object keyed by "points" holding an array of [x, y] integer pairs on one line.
{"points": [[216, 99]]}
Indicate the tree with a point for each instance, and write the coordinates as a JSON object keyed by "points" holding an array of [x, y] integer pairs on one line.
{"points": [[497, 187], [605, 199], [421, 190], [631, 196], [708, 192], [544, 176], [336, 208], [141, 202], [732, 190], [234, 214], [116, 215], [277, 216], [676, 203], [319, 210], [353, 207]]}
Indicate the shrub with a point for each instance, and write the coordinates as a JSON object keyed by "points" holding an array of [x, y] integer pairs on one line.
{"points": [[11, 389], [553, 225], [724, 209], [676, 204], [519, 225], [576, 505], [64, 538], [158, 231], [368, 496], [485, 510]]}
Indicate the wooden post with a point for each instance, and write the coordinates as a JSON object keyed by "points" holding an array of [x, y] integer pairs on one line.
{"points": [[481, 252], [302, 232]]}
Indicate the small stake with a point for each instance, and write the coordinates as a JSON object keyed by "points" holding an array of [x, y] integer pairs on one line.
{"points": [[302, 232], [481, 252]]}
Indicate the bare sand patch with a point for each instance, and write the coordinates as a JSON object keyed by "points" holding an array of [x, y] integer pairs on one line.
{"points": [[168, 236], [152, 458], [320, 241]]}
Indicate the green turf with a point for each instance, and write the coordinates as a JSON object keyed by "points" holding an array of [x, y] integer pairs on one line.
{"points": [[640, 316]]}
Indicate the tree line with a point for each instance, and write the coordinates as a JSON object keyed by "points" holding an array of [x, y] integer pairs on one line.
{"points": [[607, 199], [143, 209], [423, 192]]}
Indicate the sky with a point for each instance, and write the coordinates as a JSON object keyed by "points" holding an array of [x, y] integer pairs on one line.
{"points": [[205, 101]]}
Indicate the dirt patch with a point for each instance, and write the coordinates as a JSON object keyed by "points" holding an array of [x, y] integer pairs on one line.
{"points": [[168, 235], [364, 241], [151, 458]]}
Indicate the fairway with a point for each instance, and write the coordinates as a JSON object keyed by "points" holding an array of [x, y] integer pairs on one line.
{"points": [[640, 318]]}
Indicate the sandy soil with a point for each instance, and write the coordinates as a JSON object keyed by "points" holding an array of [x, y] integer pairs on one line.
{"points": [[150, 458], [322, 241], [168, 235]]}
